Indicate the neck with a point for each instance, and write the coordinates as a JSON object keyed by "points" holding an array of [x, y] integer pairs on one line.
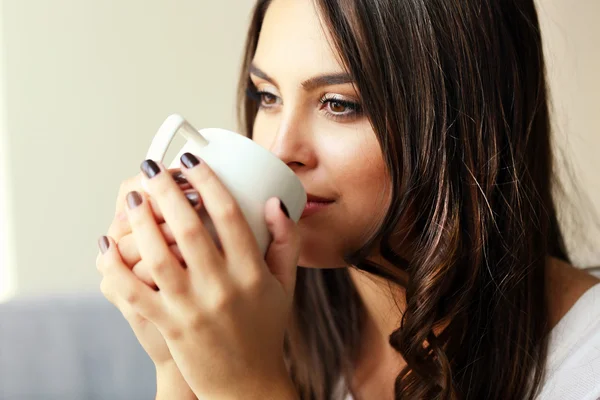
{"points": [[383, 302], [384, 305]]}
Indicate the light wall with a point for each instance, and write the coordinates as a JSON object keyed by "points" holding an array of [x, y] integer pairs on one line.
{"points": [[7, 264], [86, 83], [571, 34]]}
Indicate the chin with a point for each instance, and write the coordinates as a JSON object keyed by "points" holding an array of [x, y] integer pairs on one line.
{"points": [[320, 246], [319, 257]]}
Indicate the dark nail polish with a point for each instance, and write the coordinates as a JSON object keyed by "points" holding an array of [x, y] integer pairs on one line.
{"points": [[189, 160], [179, 178], [284, 208], [193, 198], [104, 244], [150, 169], [134, 199]]}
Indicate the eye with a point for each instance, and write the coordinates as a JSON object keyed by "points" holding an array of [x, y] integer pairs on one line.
{"points": [[337, 107], [267, 99], [264, 99]]}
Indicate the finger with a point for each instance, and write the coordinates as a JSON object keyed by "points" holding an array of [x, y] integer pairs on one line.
{"points": [[144, 271], [179, 178], [237, 240], [122, 288], [282, 255], [166, 271], [120, 225], [192, 237], [130, 253], [121, 222], [192, 196]]}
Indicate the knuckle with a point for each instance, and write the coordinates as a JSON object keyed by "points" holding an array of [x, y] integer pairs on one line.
{"points": [[190, 230], [130, 295], [223, 301], [255, 285], [179, 288], [104, 288], [197, 320], [173, 333], [159, 266], [229, 211], [162, 189]]}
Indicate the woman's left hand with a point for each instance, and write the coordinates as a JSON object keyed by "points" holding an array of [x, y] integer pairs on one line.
{"points": [[223, 314]]}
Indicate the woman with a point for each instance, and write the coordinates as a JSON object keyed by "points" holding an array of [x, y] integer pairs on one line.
{"points": [[434, 267]]}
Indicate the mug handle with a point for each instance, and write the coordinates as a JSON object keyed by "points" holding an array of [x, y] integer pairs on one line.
{"points": [[165, 134]]}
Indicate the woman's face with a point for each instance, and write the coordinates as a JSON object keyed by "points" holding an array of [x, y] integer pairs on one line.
{"points": [[310, 117]]}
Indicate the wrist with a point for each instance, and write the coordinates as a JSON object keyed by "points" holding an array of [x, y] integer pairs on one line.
{"points": [[277, 386], [170, 384]]}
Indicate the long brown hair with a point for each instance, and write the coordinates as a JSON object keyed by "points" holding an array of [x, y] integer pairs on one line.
{"points": [[456, 94]]}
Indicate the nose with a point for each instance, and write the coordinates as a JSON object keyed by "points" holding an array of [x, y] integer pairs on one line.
{"points": [[293, 144]]}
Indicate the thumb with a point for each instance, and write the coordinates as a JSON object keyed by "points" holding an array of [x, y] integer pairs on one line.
{"points": [[282, 255]]}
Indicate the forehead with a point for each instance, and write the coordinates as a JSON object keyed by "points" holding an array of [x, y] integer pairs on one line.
{"points": [[293, 43]]}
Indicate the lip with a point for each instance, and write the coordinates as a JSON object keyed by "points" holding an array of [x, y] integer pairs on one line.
{"points": [[315, 204]]}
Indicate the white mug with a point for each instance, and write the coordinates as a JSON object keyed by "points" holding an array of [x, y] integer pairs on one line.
{"points": [[250, 172]]}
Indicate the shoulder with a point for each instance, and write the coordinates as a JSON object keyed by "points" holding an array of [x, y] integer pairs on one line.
{"points": [[573, 365], [565, 285]]}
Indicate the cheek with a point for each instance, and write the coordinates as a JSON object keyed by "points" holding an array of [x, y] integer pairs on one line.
{"points": [[360, 173], [263, 130], [358, 165]]}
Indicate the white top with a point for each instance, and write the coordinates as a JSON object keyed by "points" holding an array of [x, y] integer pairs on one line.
{"points": [[573, 366]]}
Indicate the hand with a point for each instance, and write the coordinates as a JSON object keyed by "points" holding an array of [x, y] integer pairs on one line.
{"points": [[223, 317], [170, 382], [120, 230]]}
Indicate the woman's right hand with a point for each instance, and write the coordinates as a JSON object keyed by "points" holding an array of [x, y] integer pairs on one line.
{"points": [[120, 231]]}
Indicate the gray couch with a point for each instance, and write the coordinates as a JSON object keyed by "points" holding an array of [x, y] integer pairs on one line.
{"points": [[70, 347]]}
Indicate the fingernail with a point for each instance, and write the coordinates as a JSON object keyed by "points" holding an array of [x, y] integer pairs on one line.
{"points": [[134, 199], [193, 198], [179, 178], [104, 244], [150, 169], [284, 208], [189, 160]]}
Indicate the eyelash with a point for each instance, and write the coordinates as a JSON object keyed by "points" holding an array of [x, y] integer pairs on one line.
{"points": [[354, 108]]}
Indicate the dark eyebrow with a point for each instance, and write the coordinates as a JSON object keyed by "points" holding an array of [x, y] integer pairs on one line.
{"points": [[311, 83], [327, 80], [254, 70]]}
